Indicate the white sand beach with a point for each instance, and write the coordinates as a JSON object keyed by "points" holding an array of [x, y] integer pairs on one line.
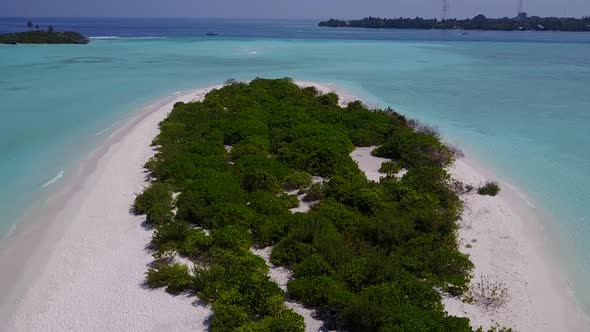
{"points": [[88, 272], [503, 238], [91, 278]]}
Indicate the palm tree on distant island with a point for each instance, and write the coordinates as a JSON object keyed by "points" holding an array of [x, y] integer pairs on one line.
{"points": [[30, 25], [50, 29], [37, 27]]}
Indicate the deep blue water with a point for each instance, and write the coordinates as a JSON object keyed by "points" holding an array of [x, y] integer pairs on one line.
{"points": [[518, 102]]}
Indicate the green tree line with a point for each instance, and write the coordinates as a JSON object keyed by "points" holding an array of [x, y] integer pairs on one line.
{"points": [[479, 22]]}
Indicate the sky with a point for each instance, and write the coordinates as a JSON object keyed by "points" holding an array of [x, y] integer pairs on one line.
{"points": [[287, 8]]}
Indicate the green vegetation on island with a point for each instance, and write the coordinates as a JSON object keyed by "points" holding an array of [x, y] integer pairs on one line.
{"points": [[479, 22], [367, 257], [37, 36], [489, 189]]}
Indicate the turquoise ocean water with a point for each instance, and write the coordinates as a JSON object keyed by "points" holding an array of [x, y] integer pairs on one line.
{"points": [[518, 102]]}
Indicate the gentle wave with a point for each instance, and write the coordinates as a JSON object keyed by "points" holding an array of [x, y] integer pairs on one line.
{"points": [[9, 233], [115, 124], [54, 180], [102, 131], [104, 37], [521, 195]]}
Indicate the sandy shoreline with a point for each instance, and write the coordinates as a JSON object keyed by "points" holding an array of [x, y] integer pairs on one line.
{"points": [[90, 259], [503, 237]]}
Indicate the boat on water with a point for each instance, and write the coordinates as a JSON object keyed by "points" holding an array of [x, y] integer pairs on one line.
{"points": [[212, 34]]}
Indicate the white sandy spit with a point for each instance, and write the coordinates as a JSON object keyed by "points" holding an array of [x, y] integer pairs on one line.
{"points": [[503, 238], [94, 273]]}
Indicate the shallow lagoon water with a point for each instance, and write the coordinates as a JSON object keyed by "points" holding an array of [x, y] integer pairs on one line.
{"points": [[519, 103]]}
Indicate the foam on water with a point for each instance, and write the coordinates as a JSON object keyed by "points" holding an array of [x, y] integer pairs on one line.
{"points": [[54, 179], [104, 37], [102, 131]]}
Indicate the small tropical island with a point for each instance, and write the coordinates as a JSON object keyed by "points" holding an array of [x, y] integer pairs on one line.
{"points": [[35, 35], [522, 22], [263, 174]]}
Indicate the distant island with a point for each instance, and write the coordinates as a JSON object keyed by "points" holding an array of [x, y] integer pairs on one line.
{"points": [[37, 36], [480, 22]]}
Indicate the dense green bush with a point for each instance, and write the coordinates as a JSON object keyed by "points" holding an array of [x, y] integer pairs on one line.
{"points": [[323, 292], [314, 193], [368, 256], [314, 265], [174, 277], [390, 168], [297, 180], [286, 321], [232, 237], [228, 318], [489, 189], [413, 149], [155, 194]]}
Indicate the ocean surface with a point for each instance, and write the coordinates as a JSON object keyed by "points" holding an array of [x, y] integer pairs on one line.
{"points": [[517, 102]]}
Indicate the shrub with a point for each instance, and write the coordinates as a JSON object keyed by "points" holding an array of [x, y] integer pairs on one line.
{"points": [[310, 90], [157, 194], [230, 81], [456, 151], [242, 150], [175, 277], [342, 216], [219, 215], [388, 229], [390, 168], [259, 180], [232, 238], [414, 149], [228, 317], [489, 189], [286, 321], [268, 230], [159, 214], [255, 163], [368, 201], [329, 99], [297, 180], [172, 233], [489, 294], [323, 292], [423, 128], [314, 193], [459, 188], [195, 243], [314, 265], [253, 145], [288, 251], [289, 201], [272, 205]]}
